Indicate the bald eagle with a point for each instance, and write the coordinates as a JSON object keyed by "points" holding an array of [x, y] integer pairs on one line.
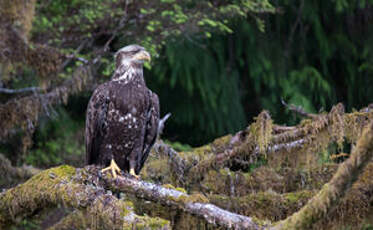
{"points": [[122, 116]]}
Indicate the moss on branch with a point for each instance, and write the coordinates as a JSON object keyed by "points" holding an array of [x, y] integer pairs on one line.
{"points": [[332, 192], [62, 186]]}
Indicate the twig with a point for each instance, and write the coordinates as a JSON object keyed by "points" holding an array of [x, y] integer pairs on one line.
{"points": [[120, 26], [162, 122], [298, 109], [73, 56], [280, 129], [23, 90]]}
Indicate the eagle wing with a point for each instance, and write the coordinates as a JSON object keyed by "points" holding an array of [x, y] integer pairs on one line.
{"points": [[151, 130], [95, 124]]}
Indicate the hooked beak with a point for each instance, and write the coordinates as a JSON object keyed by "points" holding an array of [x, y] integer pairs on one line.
{"points": [[142, 56]]}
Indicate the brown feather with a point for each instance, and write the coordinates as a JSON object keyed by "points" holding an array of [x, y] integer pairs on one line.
{"points": [[122, 120]]}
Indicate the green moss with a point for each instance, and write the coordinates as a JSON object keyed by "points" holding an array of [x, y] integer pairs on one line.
{"points": [[196, 198], [214, 181], [180, 199], [169, 186], [152, 223], [224, 172], [127, 207], [64, 172], [181, 189], [201, 151], [261, 222], [219, 144], [298, 198], [157, 169], [45, 182]]}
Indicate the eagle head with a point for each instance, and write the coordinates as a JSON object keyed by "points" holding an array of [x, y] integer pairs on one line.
{"points": [[131, 55]]}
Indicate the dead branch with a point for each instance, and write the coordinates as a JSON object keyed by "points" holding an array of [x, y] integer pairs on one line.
{"points": [[290, 140], [301, 132], [23, 90], [298, 109], [347, 173], [194, 204], [280, 129], [162, 122]]}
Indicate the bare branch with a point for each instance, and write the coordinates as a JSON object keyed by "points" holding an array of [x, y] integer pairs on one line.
{"points": [[298, 109], [73, 56], [162, 123], [23, 90], [194, 204], [280, 129]]}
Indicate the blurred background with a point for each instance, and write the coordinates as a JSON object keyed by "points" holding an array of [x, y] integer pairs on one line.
{"points": [[216, 65]]}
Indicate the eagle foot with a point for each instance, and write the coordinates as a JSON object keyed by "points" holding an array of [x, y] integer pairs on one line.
{"points": [[113, 167], [132, 173]]}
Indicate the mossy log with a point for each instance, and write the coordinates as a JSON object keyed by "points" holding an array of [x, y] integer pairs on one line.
{"points": [[83, 189], [244, 148], [62, 186], [196, 204], [331, 193]]}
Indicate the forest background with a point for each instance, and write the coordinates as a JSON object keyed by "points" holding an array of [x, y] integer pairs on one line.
{"points": [[215, 66], [214, 71]]}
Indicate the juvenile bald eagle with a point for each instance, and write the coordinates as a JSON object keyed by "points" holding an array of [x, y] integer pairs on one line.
{"points": [[122, 116]]}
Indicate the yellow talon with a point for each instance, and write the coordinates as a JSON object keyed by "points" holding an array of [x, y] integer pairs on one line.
{"points": [[132, 172], [113, 167]]}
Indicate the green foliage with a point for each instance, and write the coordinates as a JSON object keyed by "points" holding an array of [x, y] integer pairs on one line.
{"points": [[205, 95], [213, 86], [77, 18]]}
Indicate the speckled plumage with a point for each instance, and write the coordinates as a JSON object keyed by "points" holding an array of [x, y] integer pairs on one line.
{"points": [[122, 116]]}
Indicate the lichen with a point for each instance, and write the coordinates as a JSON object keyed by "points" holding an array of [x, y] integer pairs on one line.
{"points": [[169, 186], [148, 223], [262, 131], [196, 198], [221, 143], [20, 200], [181, 190]]}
